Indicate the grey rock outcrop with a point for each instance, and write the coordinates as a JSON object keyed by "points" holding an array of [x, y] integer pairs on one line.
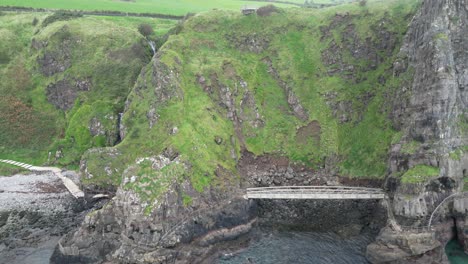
{"points": [[430, 111], [432, 108], [123, 231]]}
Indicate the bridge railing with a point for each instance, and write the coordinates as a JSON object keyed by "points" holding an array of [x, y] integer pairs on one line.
{"points": [[328, 189], [314, 192], [313, 187]]}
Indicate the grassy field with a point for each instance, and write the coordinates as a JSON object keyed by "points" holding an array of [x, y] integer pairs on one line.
{"points": [[172, 7], [169, 7]]}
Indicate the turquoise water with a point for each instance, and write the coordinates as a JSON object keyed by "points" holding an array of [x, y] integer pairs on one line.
{"points": [[455, 253], [302, 248]]}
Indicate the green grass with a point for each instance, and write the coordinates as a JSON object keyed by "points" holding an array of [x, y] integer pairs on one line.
{"points": [[410, 148], [171, 7], [458, 153], [420, 173], [8, 170], [168, 7], [150, 184]]}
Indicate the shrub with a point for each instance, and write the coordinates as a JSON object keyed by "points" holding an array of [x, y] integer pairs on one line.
{"points": [[363, 2], [145, 29], [4, 57], [60, 16], [35, 21], [267, 10]]}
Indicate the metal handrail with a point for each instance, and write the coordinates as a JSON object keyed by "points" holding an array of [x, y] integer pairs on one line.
{"points": [[314, 187], [323, 190]]}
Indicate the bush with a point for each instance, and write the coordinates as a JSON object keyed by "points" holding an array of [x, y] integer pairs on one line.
{"points": [[35, 21], [4, 57], [267, 10], [60, 16], [145, 29], [363, 2]]}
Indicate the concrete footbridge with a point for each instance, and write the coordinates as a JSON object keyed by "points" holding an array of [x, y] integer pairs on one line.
{"points": [[315, 192], [69, 184]]}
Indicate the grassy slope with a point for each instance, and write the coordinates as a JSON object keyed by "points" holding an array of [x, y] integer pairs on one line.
{"points": [[207, 47], [30, 125]]}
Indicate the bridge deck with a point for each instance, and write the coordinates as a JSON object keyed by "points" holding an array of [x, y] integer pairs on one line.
{"points": [[315, 192]]}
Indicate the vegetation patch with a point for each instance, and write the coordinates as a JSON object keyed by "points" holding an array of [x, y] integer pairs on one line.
{"points": [[420, 173], [411, 147], [458, 153], [59, 16], [150, 183]]}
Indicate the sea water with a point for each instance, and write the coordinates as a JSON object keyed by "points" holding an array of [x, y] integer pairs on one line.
{"points": [[455, 253], [277, 247]]}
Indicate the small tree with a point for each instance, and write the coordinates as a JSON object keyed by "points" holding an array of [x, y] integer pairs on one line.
{"points": [[363, 2], [35, 21], [146, 30]]}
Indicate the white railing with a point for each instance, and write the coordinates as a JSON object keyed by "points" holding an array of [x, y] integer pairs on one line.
{"points": [[314, 192]]}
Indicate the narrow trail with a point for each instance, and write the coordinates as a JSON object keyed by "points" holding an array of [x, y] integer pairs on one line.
{"points": [[69, 184]]}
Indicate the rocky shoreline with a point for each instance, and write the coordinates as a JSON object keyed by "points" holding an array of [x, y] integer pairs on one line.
{"points": [[36, 210]]}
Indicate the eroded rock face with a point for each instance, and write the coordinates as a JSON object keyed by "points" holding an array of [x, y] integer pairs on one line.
{"points": [[57, 60], [254, 42], [123, 231], [406, 247], [293, 100], [373, 52], [107, 127], [63, 93]]}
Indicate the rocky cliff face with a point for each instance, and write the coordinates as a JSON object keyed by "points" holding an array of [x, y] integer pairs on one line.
{"points": [[431, 109], [430, 161], [220, 109]]}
